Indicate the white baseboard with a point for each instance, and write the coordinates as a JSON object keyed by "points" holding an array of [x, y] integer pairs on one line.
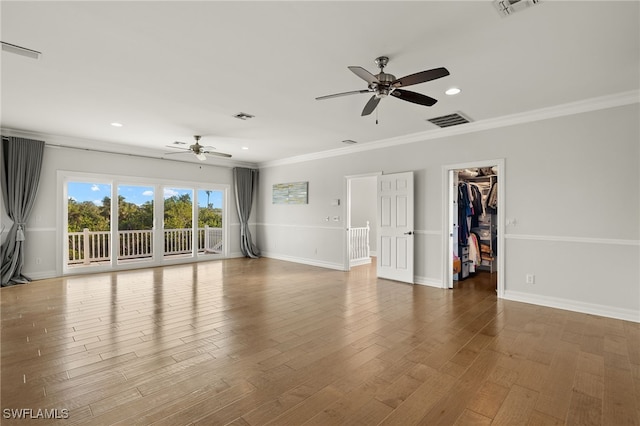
{"points": [[575, 306], [431, 282], [311, 262], [42, 275], [358, 262]]}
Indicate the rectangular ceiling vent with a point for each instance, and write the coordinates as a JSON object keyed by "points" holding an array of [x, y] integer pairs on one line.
{"points": [[509, 7], [449, 120]]}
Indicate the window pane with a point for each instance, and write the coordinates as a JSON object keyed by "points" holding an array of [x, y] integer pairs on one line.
{"points": [[210, 221], [135, 222], [178, 221], [88, 223]]}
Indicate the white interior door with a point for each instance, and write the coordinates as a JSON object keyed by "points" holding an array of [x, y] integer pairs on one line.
{"points": [[395, 227]]}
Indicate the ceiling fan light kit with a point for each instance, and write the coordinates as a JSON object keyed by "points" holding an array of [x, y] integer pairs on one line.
{"points": [[383, 84], [509, 7]]}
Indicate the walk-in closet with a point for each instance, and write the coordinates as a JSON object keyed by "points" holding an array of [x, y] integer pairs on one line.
{"points": [[475, 243]]}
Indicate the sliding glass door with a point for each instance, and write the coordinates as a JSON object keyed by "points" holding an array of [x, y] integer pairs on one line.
{"points": [[210, 221], [88, 223], [135, 223], [152, 221], [178, 222]]}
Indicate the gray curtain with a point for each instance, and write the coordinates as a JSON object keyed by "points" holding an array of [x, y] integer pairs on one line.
{"points": [[245, 182], [21, 164]]}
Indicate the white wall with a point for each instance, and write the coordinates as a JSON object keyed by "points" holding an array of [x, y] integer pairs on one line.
{"points": [[42, 239], [572, 184]]}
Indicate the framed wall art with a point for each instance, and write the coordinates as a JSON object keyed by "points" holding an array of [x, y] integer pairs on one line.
{"points": [[291, 193]]}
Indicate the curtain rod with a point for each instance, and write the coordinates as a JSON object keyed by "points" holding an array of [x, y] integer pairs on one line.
{"points": [[51, 145], [122, 153], [47, 144]]}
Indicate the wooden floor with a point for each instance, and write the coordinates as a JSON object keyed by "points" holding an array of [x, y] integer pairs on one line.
{"points": [[253, 342]]}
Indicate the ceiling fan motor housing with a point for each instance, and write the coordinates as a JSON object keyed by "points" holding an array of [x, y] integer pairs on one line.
{"points": [[383, 88]]}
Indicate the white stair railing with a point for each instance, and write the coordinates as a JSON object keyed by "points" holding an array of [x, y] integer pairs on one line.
{"points": [[211, 240], [359, 244]]}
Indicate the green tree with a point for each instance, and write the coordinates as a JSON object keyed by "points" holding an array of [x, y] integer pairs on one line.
{"points": [[134, 217], [177, 212], [88, 215], [209, 216]]}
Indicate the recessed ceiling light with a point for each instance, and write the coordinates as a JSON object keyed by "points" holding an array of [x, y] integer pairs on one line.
{"points": [[116, 124], [245, 147], [452, 91]]}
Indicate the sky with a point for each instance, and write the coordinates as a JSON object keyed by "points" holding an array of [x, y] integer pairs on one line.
{"points": [[95, 192]]}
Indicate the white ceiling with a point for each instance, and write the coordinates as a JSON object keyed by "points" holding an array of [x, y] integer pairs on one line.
{"points": [[170, 70]]}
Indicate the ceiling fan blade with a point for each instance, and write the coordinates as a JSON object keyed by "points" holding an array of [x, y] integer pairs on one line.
{"points": [[416, 98], [421, 77], [364, 74], [218, 154], [337, 95], [171, 153], [370, 106]]}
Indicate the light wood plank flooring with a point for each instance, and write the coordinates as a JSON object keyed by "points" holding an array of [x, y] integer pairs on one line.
{"points": [[254, 342]]}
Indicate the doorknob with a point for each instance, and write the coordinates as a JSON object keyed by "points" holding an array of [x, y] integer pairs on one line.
{"points": [[408, 233]]}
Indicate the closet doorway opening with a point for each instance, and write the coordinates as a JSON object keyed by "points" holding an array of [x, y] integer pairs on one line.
{"points": [[473, 214]]}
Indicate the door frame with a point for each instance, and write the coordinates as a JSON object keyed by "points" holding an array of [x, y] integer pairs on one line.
{"points": [[447, 203], [346, 212], [158, 259]]}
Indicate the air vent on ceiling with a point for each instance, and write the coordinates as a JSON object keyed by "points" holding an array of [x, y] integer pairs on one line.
{"points": [[508, 7], [449, 120]]}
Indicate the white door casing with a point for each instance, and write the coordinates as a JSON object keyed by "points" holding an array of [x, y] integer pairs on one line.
{"points": [[447, 207], [395, 227]]}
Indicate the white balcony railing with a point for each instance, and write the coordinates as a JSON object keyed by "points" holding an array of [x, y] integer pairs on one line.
{"points": [[359, 244], [89, 247]]}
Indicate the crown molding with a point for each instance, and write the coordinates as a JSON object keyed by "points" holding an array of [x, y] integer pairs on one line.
{"points": [[586, 105]]}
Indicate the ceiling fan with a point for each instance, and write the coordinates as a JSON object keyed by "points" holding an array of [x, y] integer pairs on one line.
{"points": [[198, 150], [383, 84]]}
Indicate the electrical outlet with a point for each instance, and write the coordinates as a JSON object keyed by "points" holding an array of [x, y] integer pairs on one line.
{"points": [[38, 260], [530, 279]]}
